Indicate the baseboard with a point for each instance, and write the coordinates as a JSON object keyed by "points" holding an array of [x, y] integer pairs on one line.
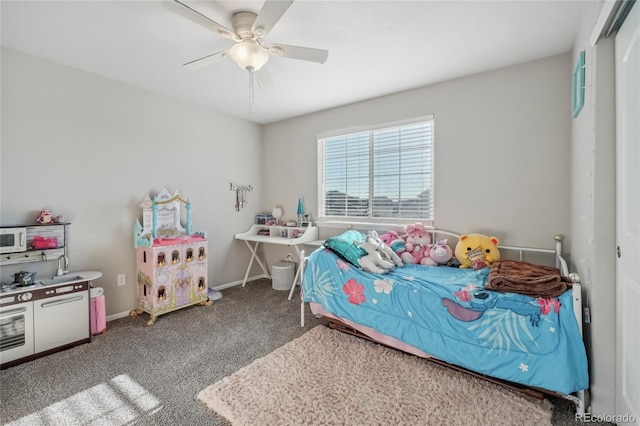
{"points": [[117, 316], [219, 287], [239, 282]]}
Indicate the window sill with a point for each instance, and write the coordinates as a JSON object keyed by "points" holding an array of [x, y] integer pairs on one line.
{"points": [[369, 223]]}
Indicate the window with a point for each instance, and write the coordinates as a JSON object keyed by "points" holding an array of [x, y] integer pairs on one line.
{"points": [[380, 172]]}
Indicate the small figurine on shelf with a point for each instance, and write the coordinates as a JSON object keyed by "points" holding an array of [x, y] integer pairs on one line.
{"points": [[45, 216], [300, 212], [277, 214], [306, 220]]}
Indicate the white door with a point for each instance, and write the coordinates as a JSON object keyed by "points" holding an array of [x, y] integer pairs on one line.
{"points": [[627, 47]]}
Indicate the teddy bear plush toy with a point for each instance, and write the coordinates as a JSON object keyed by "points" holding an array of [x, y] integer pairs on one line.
{"points": [[476, 251], [417, 246]]}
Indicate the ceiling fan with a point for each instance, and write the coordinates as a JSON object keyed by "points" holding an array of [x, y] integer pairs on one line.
{"points": [[249, 31]]}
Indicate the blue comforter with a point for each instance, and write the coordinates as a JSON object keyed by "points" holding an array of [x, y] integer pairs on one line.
{"points": [[447, 313]]}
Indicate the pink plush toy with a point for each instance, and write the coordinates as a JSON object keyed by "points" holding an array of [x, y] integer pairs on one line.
{"points": [[394, 241], [45, 216], [440, 252], [389, 236], [417, 246]]}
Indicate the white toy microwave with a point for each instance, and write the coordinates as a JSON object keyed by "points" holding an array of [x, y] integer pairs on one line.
{"points": [[13, 239]]}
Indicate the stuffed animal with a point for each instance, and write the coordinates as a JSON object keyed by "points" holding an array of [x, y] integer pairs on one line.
{"points": [[440, 252], [394, 241], [385, 251], [477, 251], [45, 216], [372, 261], [417, 245]]}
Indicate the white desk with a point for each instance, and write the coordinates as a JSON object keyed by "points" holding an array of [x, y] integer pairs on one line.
{"points": [[291, 236]]}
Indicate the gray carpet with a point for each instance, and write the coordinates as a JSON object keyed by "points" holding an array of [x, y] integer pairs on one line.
{"points": [[136, 374]]}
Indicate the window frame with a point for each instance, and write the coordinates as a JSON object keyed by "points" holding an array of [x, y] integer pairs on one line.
{"points": [[326, 220]]}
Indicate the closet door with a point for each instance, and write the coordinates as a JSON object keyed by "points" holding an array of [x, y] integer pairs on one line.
{"points": [[627, 46]]}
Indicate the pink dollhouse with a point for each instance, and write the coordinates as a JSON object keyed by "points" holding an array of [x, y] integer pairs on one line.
{"points": [[171, 261]]}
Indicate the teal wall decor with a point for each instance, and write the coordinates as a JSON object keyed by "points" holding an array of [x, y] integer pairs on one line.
{"points": [[578, 85]]}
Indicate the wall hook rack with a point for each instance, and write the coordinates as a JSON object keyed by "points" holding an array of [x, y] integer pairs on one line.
{"points": [[241, 194], [234, 186]]}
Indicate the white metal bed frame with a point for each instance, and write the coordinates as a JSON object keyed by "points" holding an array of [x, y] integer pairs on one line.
{"points": [[580, 397]]}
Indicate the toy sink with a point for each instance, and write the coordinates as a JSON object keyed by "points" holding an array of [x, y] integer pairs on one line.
{"points": [[71, 277]]}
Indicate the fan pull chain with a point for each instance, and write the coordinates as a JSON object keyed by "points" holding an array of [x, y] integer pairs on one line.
{"points": [[251, 90]]}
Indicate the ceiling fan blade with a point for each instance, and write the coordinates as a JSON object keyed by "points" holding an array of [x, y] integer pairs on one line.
{"points": [[270, 14], [263, 78], [206, 61], [193, 15], [295, 52]]}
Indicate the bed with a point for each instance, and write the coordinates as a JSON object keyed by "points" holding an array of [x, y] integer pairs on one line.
{"points": [[446, 314]]}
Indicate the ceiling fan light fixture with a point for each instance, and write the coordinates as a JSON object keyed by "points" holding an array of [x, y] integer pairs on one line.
{"points": [[249, 55]]}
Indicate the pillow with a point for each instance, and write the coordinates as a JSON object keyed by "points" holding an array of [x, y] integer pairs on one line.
{"points": [[343, 245]]}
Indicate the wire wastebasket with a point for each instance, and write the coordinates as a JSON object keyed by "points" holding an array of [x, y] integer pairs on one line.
{"points": [[282, 275]]}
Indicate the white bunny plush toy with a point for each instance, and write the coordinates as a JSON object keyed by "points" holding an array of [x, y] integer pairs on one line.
{"points": [[372, 261], [385, 251]]}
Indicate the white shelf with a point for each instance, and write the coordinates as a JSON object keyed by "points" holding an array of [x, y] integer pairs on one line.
{"points": [[31, 256], [57, 230], [275, 234], [292, 236]]}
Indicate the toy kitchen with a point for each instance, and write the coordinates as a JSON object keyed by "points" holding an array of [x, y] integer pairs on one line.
{"points": [[40, 315]]}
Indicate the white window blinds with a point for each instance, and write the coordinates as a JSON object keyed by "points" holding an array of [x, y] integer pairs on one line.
{"points": [[386, 172]]}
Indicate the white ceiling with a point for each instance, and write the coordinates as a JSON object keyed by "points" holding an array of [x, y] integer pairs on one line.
{"points": [[375, 47]]}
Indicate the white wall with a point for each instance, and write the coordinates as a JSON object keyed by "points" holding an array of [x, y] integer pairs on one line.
{"points": [[501, 154], [91, 148], [593, 208]]}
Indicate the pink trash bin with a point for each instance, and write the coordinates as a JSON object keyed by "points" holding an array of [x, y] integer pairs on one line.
{"points": [[98, 311]]}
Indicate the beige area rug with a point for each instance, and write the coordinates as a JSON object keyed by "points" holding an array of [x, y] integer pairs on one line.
{"points": [[326, 377]]}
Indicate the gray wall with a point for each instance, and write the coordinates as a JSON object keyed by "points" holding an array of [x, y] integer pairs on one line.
{"points": [[593, 199], [91, 148], [502, 150]]}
